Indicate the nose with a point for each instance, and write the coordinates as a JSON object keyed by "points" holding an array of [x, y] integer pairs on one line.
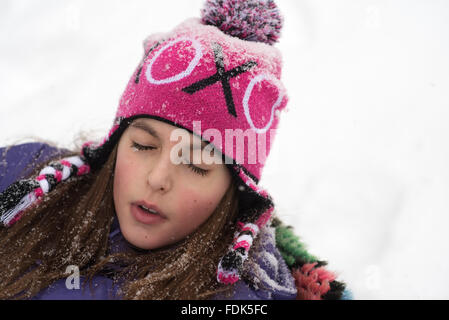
{"points": [[160, 175]]}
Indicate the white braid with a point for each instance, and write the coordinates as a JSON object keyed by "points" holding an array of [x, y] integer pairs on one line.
{"points": [[44, 185], [76, 160], [245, 237], [65, 173], [48, 170], [253, 226]]}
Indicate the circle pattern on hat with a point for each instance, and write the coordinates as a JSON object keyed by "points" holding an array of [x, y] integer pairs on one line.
{"points": [[249, 91], [193, 63]]}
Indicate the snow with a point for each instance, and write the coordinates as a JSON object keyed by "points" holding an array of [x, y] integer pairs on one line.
{"points": [[360, 163]]}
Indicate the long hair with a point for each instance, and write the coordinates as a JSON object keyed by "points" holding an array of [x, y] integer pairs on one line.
{"points": [[71, 226]]}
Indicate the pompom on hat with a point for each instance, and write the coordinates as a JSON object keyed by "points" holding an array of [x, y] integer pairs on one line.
{"points": [[210, 76]]}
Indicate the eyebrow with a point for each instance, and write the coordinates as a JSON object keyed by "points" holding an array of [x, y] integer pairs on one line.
{"points": [[150, 130], [145, 127]]}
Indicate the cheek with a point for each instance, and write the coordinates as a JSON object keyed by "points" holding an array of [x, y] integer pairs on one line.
{"points": [[197, 205], [123, 173]]}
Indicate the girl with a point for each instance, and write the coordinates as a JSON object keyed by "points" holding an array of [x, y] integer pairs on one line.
{"points": [[167, 205]]}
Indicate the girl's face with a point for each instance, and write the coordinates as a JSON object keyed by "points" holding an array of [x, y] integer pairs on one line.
{"points": [[184, 194]]}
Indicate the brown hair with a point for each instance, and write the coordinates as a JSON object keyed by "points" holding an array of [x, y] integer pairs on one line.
{"points": [[71, 226]]}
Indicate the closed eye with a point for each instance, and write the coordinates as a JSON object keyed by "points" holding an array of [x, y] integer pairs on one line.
{"points": [[140, 147], [197, 170]]}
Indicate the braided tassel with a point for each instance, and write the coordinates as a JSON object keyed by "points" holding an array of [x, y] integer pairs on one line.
{"points": [[22, 194], [231, 264]]}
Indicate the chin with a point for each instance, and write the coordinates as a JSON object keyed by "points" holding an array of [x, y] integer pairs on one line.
{"points": [[143, 242]]}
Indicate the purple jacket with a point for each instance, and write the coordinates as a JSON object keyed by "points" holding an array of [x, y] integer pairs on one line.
{"points": [[272, 272]]}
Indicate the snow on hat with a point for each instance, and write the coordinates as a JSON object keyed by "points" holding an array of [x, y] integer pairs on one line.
{"points": [[211, 76]]}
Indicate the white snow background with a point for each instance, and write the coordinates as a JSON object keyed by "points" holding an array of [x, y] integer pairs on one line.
{"points": [[360, 163]]}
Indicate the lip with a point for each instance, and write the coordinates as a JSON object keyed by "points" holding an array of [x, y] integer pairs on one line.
{"points": [[144, 217], [151, 206]]}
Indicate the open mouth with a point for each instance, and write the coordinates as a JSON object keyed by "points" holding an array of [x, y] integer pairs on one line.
{"points": [[149, 211], [146, 215]]}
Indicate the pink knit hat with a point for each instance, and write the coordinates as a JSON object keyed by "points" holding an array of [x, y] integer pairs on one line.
{"points": [[219, 78]]}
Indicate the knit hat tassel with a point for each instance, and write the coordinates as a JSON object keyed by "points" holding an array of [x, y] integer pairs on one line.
{"points": [[22, 194], [231, 264]]}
